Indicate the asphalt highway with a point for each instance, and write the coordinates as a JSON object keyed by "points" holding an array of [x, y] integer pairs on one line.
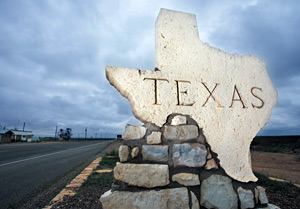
{"points": [[27, 167]]}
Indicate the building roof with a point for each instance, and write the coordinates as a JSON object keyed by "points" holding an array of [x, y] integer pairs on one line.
{"points": [[4, 131], [16, 132]]}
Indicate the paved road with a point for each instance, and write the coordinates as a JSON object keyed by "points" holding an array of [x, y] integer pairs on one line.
{"points": [[26, 168]]}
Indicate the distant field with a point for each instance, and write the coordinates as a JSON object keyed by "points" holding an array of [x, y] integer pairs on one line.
{"points": [[282, 144], [277, 156]]}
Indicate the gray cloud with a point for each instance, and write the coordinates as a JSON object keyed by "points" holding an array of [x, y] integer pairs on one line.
{"points": [[53, 55]]}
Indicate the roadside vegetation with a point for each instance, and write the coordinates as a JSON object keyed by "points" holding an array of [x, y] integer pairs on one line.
{"points": [[105, 179]]}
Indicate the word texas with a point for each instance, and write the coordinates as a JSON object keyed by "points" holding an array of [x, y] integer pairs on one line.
{"points": [[183, 94]]}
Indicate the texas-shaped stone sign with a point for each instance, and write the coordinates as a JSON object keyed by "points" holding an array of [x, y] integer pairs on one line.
{"points": [[230, 96]]}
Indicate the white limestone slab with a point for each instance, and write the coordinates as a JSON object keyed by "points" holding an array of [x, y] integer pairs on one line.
{"points": [[186, 179], [142, 175], [123, 153], [182, 132], [134, 132], [154, 138], [135, 151], [178, 120], [162, 199], [230, 96]]}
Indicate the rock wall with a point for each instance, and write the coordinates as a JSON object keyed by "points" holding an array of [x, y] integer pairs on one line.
{"points": [[173, 167]]}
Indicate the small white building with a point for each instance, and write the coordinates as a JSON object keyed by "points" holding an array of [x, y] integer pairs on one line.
{"points": [[8, 135], [21, 136]]}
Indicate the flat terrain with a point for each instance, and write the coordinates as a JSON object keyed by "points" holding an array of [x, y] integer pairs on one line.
{"points": [[279, 165], [27, 168]]}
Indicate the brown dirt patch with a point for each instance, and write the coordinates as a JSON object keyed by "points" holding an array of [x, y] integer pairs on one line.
{"points": [[283, 166]]}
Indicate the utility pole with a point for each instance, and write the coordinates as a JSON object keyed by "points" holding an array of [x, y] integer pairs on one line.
{"points": [[85, 132], [95, 135], [24, 126], [55, 132]]}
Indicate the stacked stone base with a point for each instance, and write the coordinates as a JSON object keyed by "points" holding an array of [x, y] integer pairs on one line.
{"points": [[173, 167]]}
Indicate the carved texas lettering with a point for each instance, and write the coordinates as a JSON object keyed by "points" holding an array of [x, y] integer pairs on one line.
{"points": [[179, 92], [237, 100], [156, 102], [236, 96], [211, 95], [262, 102]]}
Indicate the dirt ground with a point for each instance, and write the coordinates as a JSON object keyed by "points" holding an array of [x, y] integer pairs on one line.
{"points": [[283, 166]]}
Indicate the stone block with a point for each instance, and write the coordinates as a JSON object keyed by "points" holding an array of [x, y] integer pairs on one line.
{"points": [[256, 195], [209, 156], [263, 199], [195, 202], [211, 164], [178, 120], [246, 198], [154, 138], [186, 179], [163, 199], [190, 155], [182, 132], [123, 153], [134, 132], [156, 153], [142, 175], [134, 152], [201, 139], [217, 192]]}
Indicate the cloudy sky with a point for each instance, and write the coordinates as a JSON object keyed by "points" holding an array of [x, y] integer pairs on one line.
{"points": [[53, 56]]}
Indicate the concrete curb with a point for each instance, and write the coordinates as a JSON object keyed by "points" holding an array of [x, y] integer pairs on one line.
{"points": [[282, 180], [77, 182]]}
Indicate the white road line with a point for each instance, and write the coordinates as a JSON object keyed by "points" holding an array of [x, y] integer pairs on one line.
{"points": [[53, 153], [18, 144]]}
